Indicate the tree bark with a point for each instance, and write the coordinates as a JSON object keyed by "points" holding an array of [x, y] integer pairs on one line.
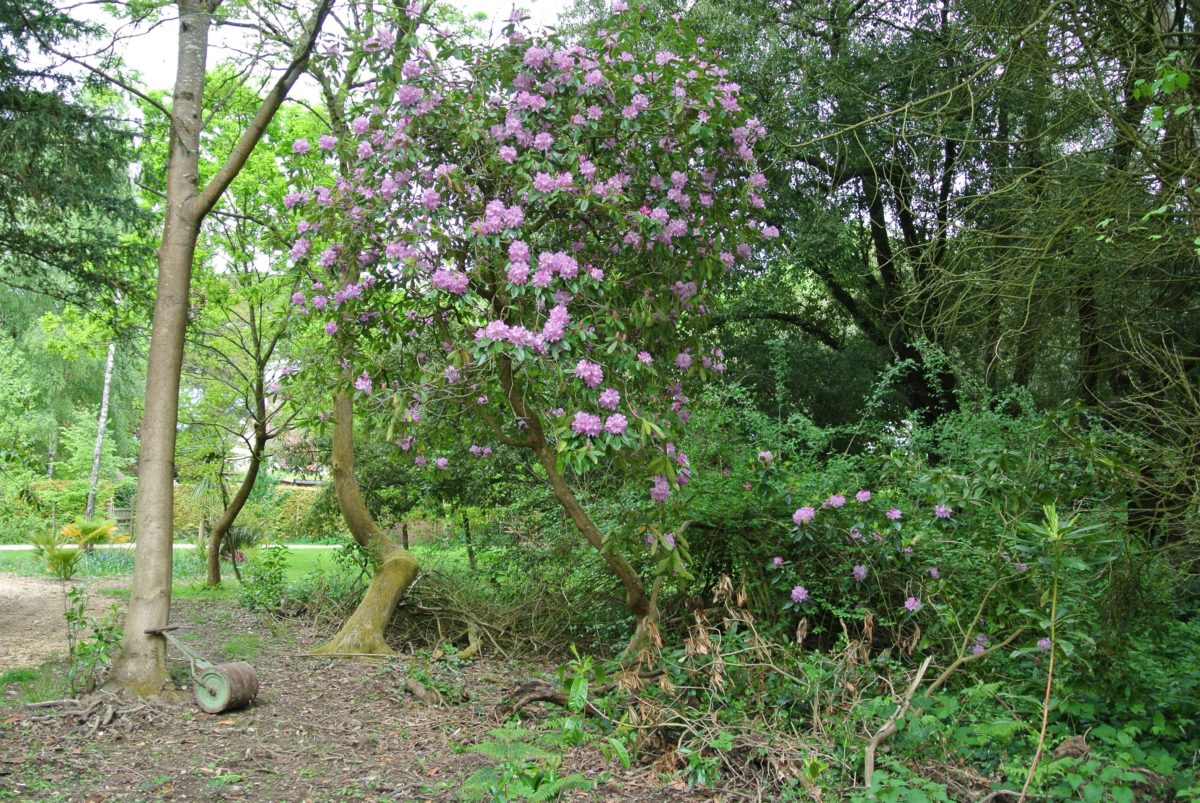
{"points": [[363, 632], [141, 664], [90, 510], [467, 537], [234, 507], [641, 605], [52, 452]]}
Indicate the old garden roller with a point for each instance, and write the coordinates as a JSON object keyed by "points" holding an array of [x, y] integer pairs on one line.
{"points": [[219, 687]]}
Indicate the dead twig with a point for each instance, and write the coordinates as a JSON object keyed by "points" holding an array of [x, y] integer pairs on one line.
{"points": [[889, 727], [53, 703]]}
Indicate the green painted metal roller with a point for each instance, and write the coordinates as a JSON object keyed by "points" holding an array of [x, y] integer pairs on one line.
{"points": [[219, 687]]}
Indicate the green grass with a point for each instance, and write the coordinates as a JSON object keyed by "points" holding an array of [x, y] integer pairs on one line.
{"points": [[302, 562], [21, 562], [18, 676], [186, 565], [47, 682], [242, 647]]}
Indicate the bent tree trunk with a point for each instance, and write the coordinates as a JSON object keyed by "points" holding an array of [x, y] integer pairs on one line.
{"points": [[363, 632], [643, 606], [234, 507]]}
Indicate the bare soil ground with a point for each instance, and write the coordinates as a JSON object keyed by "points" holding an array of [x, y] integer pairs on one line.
{"points": [[321, 730], [32, 629]]}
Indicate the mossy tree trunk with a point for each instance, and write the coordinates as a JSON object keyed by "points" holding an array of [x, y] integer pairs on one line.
{"points": [[363, 633]]}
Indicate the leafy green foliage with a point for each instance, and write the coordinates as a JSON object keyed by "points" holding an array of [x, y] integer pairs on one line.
{"points": [[265, 585], [521, 771], [91, 641]]}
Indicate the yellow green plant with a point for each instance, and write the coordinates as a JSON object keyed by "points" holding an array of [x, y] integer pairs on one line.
{"points": [[61, 558], [87, 533]]}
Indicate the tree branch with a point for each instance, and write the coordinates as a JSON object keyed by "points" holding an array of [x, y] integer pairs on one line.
{"points": [[204, 202]]}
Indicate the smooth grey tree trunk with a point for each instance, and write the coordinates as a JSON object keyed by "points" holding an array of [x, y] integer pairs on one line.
{"points": [[141, 664], [100, 427]]}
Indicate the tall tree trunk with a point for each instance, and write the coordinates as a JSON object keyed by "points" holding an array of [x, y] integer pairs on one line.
{"points": [[363, 632], [234, 507], [52, 452], [141, 663], [467, 537], [404, 534], [100, 427]]}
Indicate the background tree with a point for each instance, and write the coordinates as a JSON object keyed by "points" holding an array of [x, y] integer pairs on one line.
{"points": [[65, 192]]}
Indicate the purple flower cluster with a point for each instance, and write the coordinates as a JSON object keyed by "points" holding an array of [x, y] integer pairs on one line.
{"points": [[497, 218], [586, 423], [660, 489], [616, 424], [449, 280], [590, 373]]}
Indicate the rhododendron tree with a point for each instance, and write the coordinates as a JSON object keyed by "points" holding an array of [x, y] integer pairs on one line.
{"points": [[522, 241]]}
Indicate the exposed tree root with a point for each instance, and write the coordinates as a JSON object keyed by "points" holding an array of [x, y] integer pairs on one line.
{"points": [[536, 690], [425, 694]]}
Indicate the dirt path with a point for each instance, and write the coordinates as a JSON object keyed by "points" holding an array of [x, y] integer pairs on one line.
{"points": [[321, 730], [32, 628]]}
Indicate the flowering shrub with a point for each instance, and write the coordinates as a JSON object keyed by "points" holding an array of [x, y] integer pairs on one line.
{"points": [[524, 235], [860, 554]]}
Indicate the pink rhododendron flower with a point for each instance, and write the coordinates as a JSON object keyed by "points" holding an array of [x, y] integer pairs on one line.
{"points": [[803, 515], [589, 373]]}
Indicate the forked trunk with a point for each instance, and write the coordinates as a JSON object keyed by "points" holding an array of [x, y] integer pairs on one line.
{"points": [[363, 633], [141, 664]]}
